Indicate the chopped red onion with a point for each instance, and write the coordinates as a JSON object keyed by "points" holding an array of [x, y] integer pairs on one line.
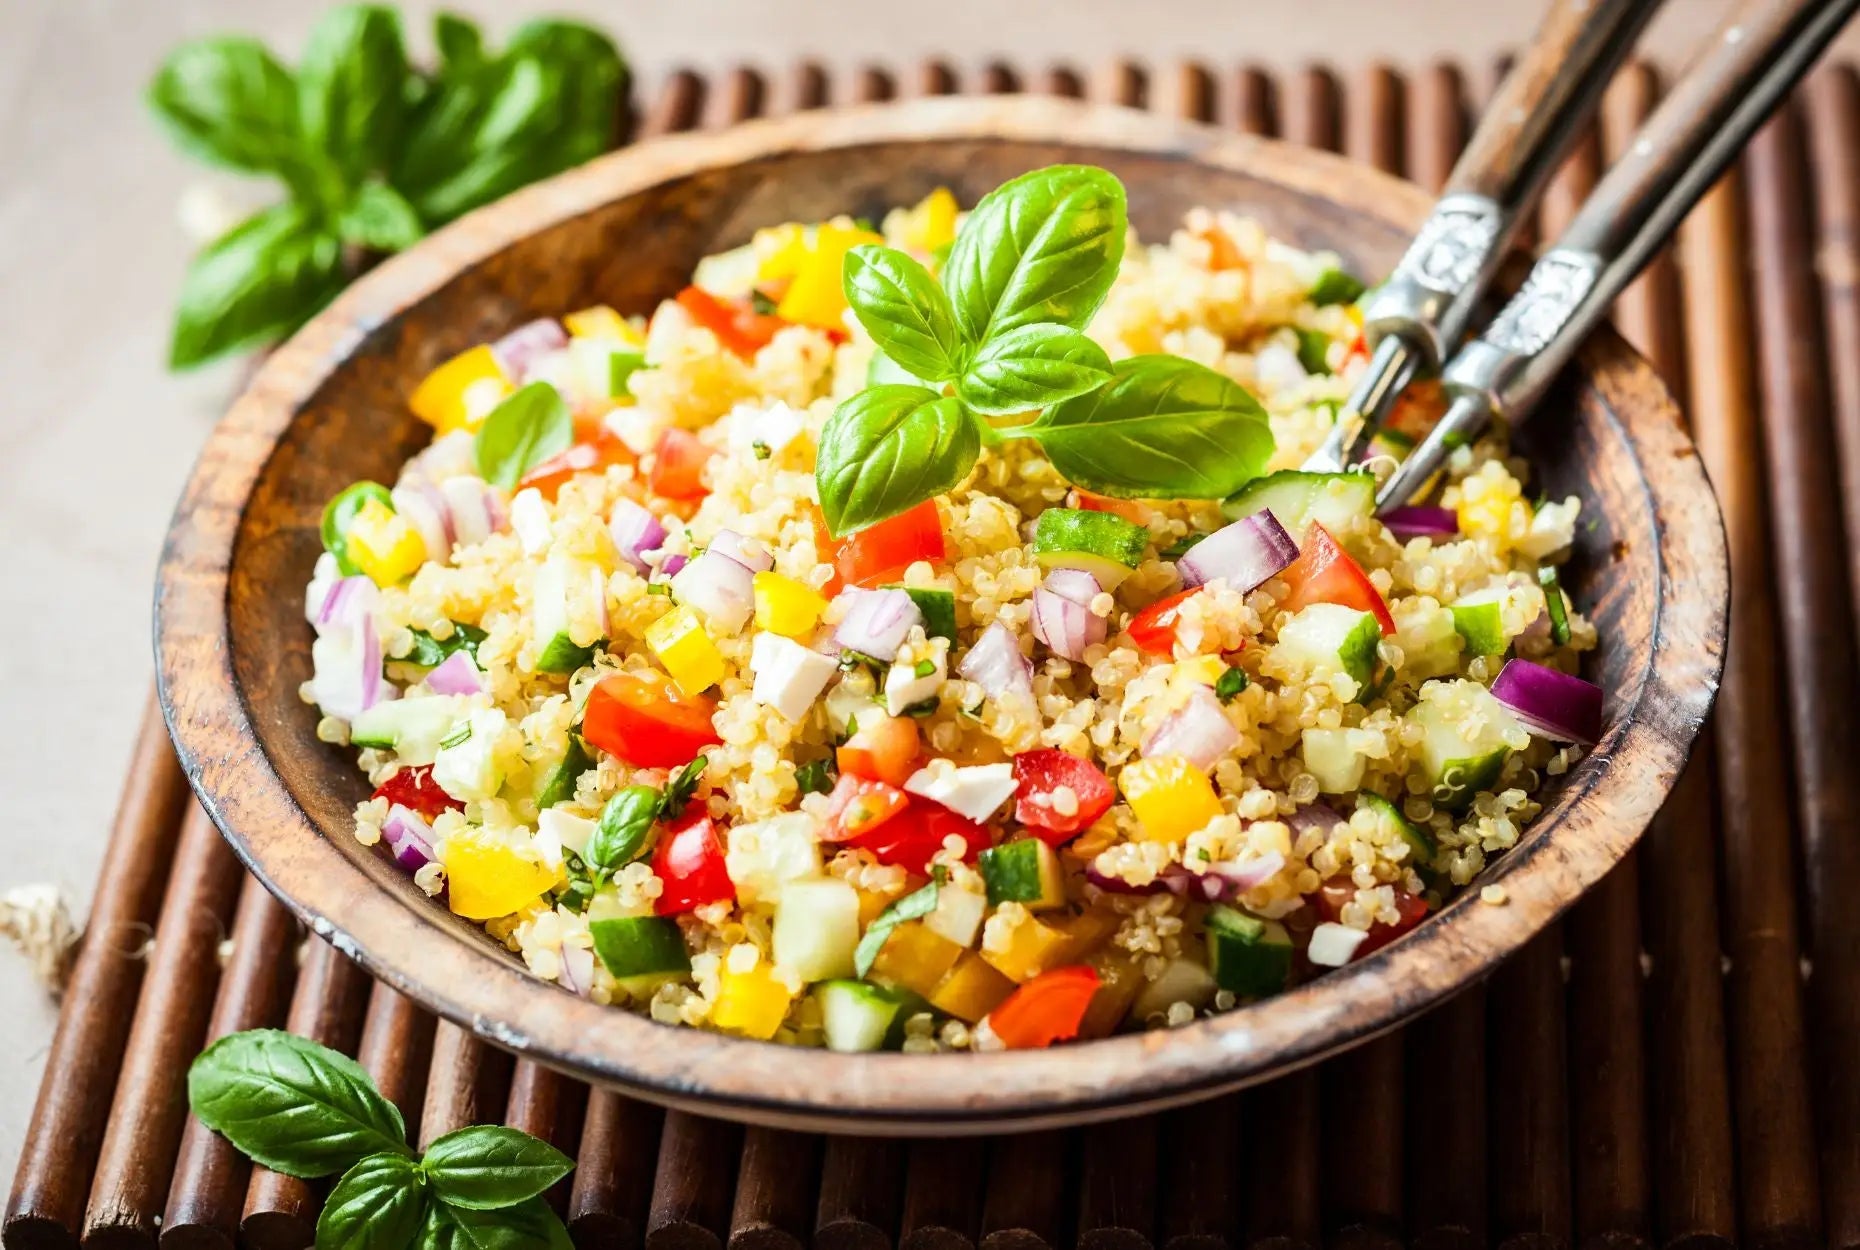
{"points": [[670, 566], [1074, 584], [425, 509], [1243, 554], [476, 508], [1231, 878], [1551, 704], [745, 551], [1320, 816], [1175, 879], [577, 969], [1422, 521], [877, 623], [346, 670], [519, 350], [719, 588], [409, 838], [1067, 627], [1199, 731], [456, 674], [996, 665], [348, 602], [635, 531]]}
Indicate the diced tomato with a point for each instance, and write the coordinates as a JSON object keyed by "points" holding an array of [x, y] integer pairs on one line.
{"points": [[1334, 894], [1045, 1010], [736, 323], [678, 461], [882, 748], [1418, 409], [859, 805], [826, 547], [596, 448], [1358, 348], [1153, 629], [414, 789], [914, 835], [1130, 509], [1325, 573], [648, 721], [881, 552], [1040, 775], [689, 863]]}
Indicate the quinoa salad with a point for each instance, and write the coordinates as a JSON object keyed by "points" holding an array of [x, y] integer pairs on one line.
{"points": [[918, 634]]}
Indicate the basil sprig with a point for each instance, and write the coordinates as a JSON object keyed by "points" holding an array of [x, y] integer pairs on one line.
{"points": [[521, 432], [1004, 335], [308, 1111], [372, 151]]}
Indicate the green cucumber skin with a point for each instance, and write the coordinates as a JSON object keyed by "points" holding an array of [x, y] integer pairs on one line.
{"points": [[1012, 872], [1480, 624], [937, 606], [1420, 841], [1293, 496], [632, 947], [1101, 534], [1249, 957], [562, 778], [856, 1015], [1475, 774], [1554, 604]]}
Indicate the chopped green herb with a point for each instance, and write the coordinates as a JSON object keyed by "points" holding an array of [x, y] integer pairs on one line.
{"points": [[866, 224], [975, 712], [458, 737], [1313, 350], [761, 449], [1554, 604], [430, 652], [913, 906], [1334, 286], [924, 668], [761, 302], [681, 786], [1231, 683], [922, 708], [816, 776]]}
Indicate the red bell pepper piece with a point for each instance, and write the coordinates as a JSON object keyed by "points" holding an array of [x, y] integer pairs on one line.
{"points": [[648, 721], [882, 748], [881, 552], [1334, 894], [678, 461], [595, 448], [1043, 772], [413, 788], [689, 864], [1045, 1010], [736, 323], [1153, 629], [859, 805], [910, 838]]}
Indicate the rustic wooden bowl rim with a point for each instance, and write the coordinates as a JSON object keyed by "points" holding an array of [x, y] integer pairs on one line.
{"points": [[1599, 815]]}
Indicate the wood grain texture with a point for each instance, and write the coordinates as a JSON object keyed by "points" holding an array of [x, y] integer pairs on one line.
{"points": [[1024, 1207], [612, 1192], [942, 1195], [861, 1193], [1117, 1186], [776, 1183], [693, 1188]]}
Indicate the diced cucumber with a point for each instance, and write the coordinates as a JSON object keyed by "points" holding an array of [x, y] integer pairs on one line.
{"points": [[764, 857], [1459, 764], [1391, 443], [560, 786], [411, 728], [641, 952], [602, 368], [856, 1015], [1025, 871], [1313, 350], [1334, 286], [958, 915], [938, 608], [816, 928], [1181, 981], [1479, 618], [1430, 645], [1100, 543], [556, 580], [1248, 956], [1420, 841], [1297, 498], [1554, 604], [1331, 636], [1330, 758]]}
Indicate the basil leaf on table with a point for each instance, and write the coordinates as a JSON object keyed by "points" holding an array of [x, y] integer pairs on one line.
{"points": [[380, 217], [489, 1166], [522, 432], [258, 282], [624, 829], [1043, 247], [1163, 427], [593, 78], [1030, 367], [882, 370], [529, 1225], [904, 310], [229, 102], [296, 1107], [889, 448], [460, 43], [351, 86], [379, 1204]]}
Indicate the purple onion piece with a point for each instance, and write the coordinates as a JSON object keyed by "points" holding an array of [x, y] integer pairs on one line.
{"points": [[877, 623], [1067, 627], [1422, 521], [1199, 731], [635, 531], [1550, 703], [577, 969], [1320, 816], [425, 509], [672, 564], [996, 665], [409, 838], [1233, 878], [348, 602], [1243, 554], [456, 674], [518, 351], [745, 551], [722, 590], [1074, 584], [1175, 879]]}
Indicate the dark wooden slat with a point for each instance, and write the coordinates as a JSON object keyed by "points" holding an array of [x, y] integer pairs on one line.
{"points": [[1280, 1175], [1201, 1176], [1310, 109], [136, 1162], [1255, 106], [1188, 93], [1062, 80], [467, 1082], [1375, 118], [546, 1104], [861, 1192], [59, 1154], [695, 1183], [869, 83], [1818, 625], [932, 78], [209, 1175], [1436, 125], [1117, 1186], [397, 1049], [997, 78], [1118, 82], [607, 1207], [775, 1190], [1768, 1056], [1025, 1204], [942, 1195], [676, 107], [738, 94], [1834, 161], [803, 87], [1528, 1107], [1446, 1139]]}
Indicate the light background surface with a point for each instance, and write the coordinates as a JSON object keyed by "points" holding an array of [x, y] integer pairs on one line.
{"points": [[96, 438]]}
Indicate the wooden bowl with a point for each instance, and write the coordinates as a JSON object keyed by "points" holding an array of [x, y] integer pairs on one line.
{"points": [[329, 407]]}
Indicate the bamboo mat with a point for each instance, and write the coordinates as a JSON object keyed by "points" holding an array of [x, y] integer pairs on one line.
{"points": [[1678, 1063]]}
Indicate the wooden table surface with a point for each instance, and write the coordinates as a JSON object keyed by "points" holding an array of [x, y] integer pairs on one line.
{"points": [[95, 436]]}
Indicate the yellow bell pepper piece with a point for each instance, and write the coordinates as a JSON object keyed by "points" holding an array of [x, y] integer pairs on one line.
{"points": [[932, 222], [439, 399], [384, 545], [1170, 796], [686, 650], [780, 251], [785, 606], [603, 323], [817, 296], [1120, 980], [486, 879], [1036, 946], [916, 958], [752, 1003], [1202, 670], [971, 990]]}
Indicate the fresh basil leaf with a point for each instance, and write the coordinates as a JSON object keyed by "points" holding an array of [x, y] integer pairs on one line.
{"points": [[889, 448], [351, 87], [292, 1105], [816, 776], [229, 102], [529, 1225], [428, 651], [1162, 428], [490, 1166], [1313, 350], [256, 283], [624, 831], [1334, 286], [340, 511], [882, 370], [904, 310], [1043, 247], [379, 1204], [682, 785], [594, 78], [913, 906], [460, 43], [1030, 367], [379, 217], [522, 432]]}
